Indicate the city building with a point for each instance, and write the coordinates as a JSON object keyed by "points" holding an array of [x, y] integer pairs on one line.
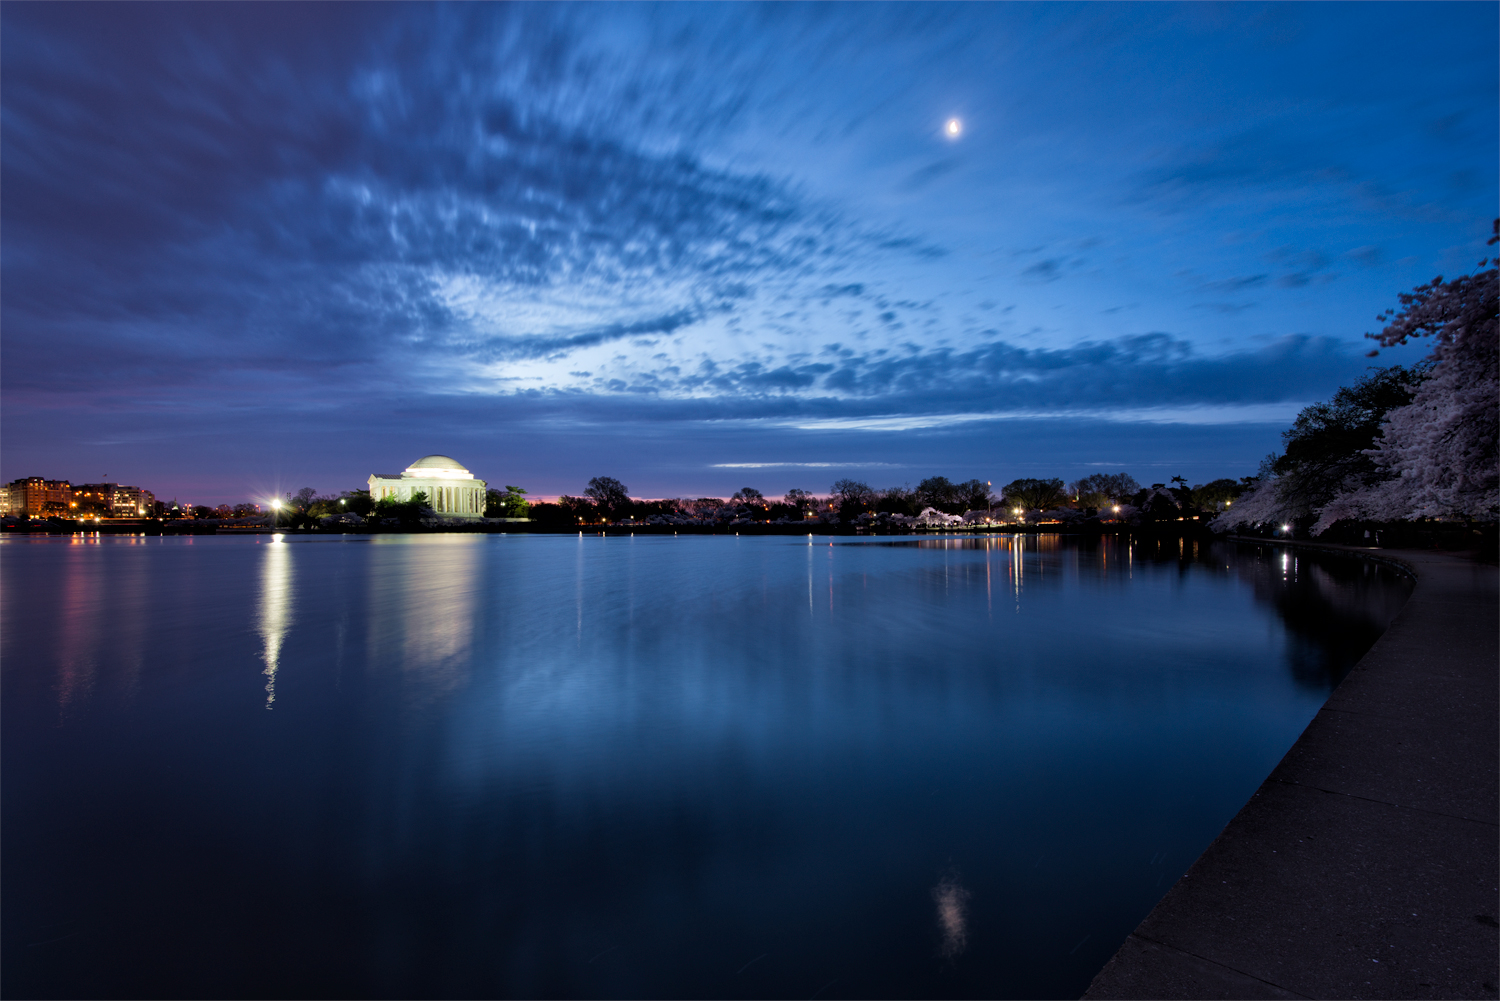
{"points": [[35, 497], [452, 491], [133, 502], [94, 500]]}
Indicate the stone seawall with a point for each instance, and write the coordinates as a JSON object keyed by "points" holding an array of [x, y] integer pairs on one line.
{"points": [[1366, 865]]}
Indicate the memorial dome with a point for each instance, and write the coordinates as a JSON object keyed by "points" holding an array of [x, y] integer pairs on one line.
{"points": [[440, 467]]}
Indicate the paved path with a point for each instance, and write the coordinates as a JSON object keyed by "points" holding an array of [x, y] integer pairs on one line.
{"points": [[1366, 865]]}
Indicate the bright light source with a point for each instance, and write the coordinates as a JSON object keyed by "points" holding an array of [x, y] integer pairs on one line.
{"points": [[1117, 509], [276, 504], [1286, 528], [954, 128]]}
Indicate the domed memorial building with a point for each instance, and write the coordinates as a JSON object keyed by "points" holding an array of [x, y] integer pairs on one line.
{"points": [[452, 491]]}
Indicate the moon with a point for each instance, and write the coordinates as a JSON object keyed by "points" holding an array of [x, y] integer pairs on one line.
{"points": [[953, 128]]}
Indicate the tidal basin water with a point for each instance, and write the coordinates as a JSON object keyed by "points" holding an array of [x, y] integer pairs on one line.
{"points": [[562, 766]]}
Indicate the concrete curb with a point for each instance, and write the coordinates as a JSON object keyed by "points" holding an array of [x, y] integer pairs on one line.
{"points": [[1366, 865]]}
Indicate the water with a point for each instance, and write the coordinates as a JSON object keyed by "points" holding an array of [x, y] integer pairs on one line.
{"points": [[632, 767]]}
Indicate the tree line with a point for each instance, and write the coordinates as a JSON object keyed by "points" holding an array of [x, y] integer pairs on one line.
{"points": [[1111, 496]]}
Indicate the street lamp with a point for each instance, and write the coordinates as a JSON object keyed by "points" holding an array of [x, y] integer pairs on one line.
{"points": [[275, 508]]}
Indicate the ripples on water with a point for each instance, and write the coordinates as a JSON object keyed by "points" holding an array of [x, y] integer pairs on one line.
{"points": [[658, 767]]}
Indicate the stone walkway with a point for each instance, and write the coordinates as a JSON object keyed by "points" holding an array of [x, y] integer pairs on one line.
{"points": [[1366, 864]]}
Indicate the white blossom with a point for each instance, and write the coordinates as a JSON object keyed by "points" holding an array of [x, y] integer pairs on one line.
{"points": [[1257, 506], [1440, 451]]}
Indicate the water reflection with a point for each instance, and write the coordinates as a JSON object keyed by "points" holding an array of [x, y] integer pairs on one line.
{"points": [[423, 602], [1333, 607], [715, 789], [84, 606], [953, 915], [275, 608]]}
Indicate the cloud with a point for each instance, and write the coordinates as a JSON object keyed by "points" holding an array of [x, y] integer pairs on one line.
{"points": [[1255, 413], [924, 176], [1043, 271], [1229, 308], [807, 465]]}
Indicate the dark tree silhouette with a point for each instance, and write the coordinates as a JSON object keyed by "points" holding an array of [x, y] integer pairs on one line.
{"points": [[610, 495]]}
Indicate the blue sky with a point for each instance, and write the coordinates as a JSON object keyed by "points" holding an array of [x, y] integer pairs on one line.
{"points": [[257, 247]]}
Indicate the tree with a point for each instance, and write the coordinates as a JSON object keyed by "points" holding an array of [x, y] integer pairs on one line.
{"points": [[608, 494], [579, 510], [897, 500], [319, 507], [1104, 489], [799, 499], [937, 492], [553, 516], [748, 495], [1216, 495], [973, 495], [1328, 454], [704, 508], [358, 502], [511, 503], [1327, 446], [304, 498], [1438, 454], [853, 498], [1101, 490], [1159, 503], [408, 512], [1034, 495]]}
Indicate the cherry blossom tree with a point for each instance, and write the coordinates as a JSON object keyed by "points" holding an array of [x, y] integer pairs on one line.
{"points": [[1259, 505], [1439, 453]]}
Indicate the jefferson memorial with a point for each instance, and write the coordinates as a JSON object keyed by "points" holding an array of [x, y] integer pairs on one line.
{"points": [[452, 491]]}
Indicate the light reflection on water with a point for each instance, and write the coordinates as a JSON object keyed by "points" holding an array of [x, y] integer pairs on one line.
{"points": [[584, 766], [423, 601], [275, 608]]}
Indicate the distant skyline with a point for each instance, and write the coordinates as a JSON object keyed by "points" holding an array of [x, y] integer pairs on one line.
{"points": [[249, 248]]}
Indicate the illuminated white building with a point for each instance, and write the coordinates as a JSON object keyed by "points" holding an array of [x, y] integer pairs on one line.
{"points": [[452, 491]]}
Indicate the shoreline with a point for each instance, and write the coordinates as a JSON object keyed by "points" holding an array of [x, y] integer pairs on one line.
{"points": [[494, 527], [1365, 865]]}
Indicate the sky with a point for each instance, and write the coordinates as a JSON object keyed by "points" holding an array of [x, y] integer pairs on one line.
{"points": [[250, 248]]}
